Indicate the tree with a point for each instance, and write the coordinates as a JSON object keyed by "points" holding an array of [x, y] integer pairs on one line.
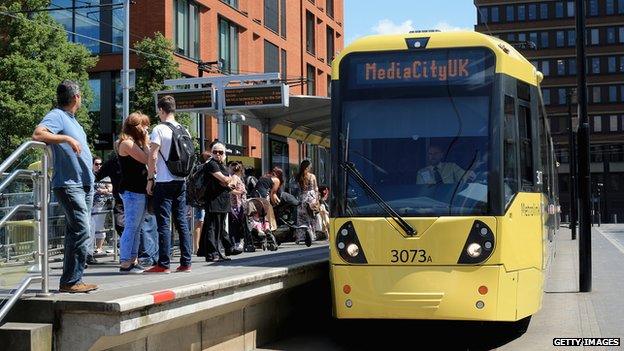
{"points": [[35, 56], [157, 63]]}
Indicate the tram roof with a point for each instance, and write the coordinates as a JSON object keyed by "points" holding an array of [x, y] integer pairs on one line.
{"points": [[508, 59], [307, 118]]}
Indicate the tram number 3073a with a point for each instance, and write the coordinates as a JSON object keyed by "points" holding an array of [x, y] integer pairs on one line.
{"points": [[409, 256]]}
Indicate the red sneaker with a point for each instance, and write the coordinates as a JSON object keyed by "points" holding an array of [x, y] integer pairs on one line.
{"points": [[184, 269], [158, 269]]}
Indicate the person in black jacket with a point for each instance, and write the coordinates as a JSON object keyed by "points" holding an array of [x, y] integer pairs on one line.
{"points": [[214, 243]]}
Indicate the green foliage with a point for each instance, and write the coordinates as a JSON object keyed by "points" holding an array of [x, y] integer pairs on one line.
{"points": [[157, 64], [35, 56]]}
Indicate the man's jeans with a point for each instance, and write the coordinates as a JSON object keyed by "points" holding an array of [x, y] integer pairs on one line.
{"points": [[171, 197], [148, 249], [76, 203]]}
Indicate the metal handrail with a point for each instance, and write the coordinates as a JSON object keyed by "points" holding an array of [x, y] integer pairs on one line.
{"points": [[18, 293], [40, 205], [14, 210], [15, 174]]}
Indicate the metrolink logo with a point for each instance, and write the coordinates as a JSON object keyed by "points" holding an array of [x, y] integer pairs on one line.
{"points": [[586, 342], [418, 70]]}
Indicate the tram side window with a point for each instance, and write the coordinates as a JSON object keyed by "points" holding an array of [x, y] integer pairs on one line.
{"points": [[526, 154], [510, 169]]}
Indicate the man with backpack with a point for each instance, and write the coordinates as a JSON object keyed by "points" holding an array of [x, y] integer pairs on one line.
{"points": [[171, 160]]}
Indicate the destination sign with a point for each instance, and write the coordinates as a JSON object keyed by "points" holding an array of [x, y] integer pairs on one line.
{"points": [[432, 67], [256, 96], [190, 100]]}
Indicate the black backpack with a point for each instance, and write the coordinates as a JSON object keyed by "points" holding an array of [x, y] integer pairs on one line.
{"points": [[181, 153], [196, 187]]}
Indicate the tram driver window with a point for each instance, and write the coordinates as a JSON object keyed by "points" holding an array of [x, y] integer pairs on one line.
{"points": [[510, 150]]}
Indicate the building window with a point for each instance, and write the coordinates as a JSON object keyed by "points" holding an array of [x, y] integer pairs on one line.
{"points": [[271, 19], [186, 28], [559, 9], [283, 19], [234, 133], [595, 37], [228, 46], [620, 7], [521, 12], [328, 85], [329, 8], [521, 37], [561, 67], [593, 8], [310, 33], [562, 96], [532, 12], [509, 13], [546, 96], [533, 38], [613, 123], [571, 8], [613, 93], [330, 45], [483, 14], [595, 65], [610, 35], [611, 64], [621, 66], [271, 57], [233, 3], [610, 8], [544, 37], [596, 97], [284, 63], [311, 79], [543, 11], [571, 67], [511, 37], [494, 14], [546, 67], [571, 38], [560, 42], [597, 123]]}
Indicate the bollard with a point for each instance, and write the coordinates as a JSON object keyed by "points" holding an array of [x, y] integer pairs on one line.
{"points": [[567, 219], [615, 218]]}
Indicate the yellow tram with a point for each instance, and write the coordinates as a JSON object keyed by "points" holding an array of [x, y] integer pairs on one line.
{"points": [[444, 183]]}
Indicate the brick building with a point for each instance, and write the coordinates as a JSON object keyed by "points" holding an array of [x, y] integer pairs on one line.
{"points": [[297, 38], [550, 25]]}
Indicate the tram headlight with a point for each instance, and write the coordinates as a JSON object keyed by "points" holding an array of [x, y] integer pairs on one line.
{"points": [[474, 250], [353, 250]]}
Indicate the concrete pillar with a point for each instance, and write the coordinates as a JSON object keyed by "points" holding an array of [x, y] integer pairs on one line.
{"points": [[26, 337]]}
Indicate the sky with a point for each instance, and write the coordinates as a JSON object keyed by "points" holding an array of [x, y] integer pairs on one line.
{"points": [[365, 17]]}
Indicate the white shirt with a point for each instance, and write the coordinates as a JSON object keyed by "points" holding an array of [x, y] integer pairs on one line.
{"points": [[162, 135]]}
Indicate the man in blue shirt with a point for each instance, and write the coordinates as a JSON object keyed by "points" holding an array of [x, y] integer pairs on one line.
{"points": [[72, 181]]}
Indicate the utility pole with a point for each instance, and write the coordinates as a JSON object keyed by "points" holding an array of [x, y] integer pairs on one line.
{"points": [[572, 164], [125, 72], [585, 264]]}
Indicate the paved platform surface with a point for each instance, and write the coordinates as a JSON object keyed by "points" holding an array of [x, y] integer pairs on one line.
{"points": [[115, 286], [565, 312]]}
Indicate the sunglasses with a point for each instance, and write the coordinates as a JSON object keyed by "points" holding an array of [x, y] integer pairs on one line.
{"points": [[218, 152], [97, 164]]}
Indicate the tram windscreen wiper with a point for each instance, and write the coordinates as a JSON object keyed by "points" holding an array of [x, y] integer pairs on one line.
{"points": [[350, 168]]}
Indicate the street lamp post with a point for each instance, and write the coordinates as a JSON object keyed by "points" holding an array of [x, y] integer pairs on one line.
{"points": [[585, 266], [572, 165]]}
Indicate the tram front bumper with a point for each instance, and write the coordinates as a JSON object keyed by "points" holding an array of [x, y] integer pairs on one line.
{"points": [[435, 292]]}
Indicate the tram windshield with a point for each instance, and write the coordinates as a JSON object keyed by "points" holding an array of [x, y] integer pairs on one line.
{"points": [[422, 145]]}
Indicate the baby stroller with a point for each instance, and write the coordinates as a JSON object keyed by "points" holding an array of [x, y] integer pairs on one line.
{"points": [[260, 225], [286, 215]]}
